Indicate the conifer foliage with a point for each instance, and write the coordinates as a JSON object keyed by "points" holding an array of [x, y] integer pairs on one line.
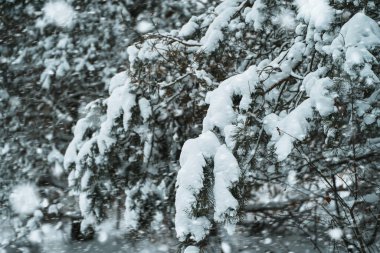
{"points": [[266, 109], [55, 57]]}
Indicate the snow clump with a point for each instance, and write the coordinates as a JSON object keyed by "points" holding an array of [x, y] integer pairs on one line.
{"points": [[335, 233], [24, 199], [59, 13], [317, 12]]}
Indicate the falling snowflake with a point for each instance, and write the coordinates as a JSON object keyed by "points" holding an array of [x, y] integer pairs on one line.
{"points": [[24, 199], [335, 233]]}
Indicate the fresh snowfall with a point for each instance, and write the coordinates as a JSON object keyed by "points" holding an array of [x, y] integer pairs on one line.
{"points": [[190, 126]]}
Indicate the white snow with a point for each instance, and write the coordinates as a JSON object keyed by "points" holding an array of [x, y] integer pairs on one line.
{"points": [[267, 241], [84, 203], [144, 26], [106, 229], [117, 80], [92, 120], [226, 174], [35, 236], [286, 19], [157, 221], [321, 98], [360, 30], [220, 112], [145, 108], [214, 33], [59, 13], [270, 123], [191, 249], [132, 54], [356, 37], [47, 234], [335, 233], [51, 234], [25, 199], [55, 158], [189, 28], [119, 104], [226, 247], [131, 213], [150, 50], [292, 58], [147, 145], [102, 236], [292, 177], [255, 15], [229, 133], [369, 119], [86, 179], [289, 129], [317, 89], [189, 184], [311, 78], [223, 115], [295, 125], [53, 209], [316, 12]]}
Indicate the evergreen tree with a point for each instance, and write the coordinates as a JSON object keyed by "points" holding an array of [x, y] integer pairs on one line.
{"points": [[255, 113], [281, 137], [125, 148], [56, 56]]}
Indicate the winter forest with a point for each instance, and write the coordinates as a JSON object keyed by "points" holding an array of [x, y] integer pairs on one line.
{"points": [[189, 126]]}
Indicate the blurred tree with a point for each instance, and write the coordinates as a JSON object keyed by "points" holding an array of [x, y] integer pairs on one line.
{"points": [[56, 56]]}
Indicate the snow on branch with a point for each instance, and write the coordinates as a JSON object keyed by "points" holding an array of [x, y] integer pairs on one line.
{"points": [[357, 35], [190, 183], [226, 173], [214, 34], [223, 115], [94, 137], [294, 126], [220, 112]]}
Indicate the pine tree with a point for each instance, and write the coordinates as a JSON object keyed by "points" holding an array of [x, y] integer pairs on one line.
{"points": [[125, 149], [263, 107], [56, 56], [302, 117]]}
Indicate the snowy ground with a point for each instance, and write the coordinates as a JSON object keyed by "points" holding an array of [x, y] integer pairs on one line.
{"points": [[114, 246], [246, 245], [244, 241], [238, 243]]}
